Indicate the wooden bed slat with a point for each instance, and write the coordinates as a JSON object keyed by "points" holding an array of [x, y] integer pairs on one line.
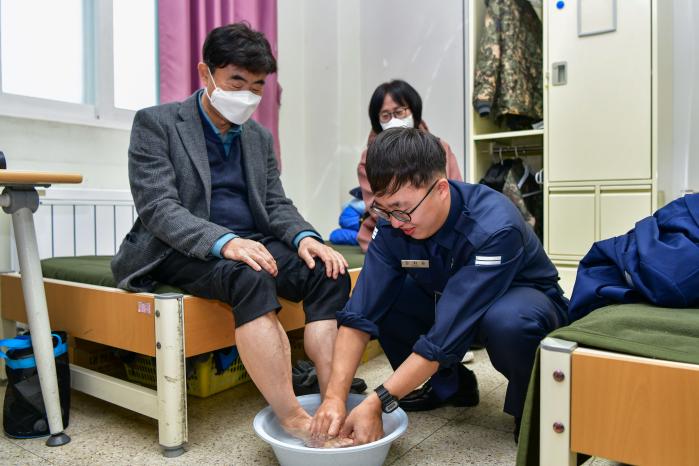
{"points": [[635, 410], [90, 313], [125, 320]]}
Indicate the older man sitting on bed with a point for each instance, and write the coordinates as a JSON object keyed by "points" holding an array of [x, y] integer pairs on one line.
{"points": [[213, 218]]}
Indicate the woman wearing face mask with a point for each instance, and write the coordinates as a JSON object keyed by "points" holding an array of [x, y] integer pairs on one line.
{"points": [[394, 104]]}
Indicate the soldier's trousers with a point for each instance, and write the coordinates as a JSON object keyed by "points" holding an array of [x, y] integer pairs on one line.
{"points": [[510, 330]]}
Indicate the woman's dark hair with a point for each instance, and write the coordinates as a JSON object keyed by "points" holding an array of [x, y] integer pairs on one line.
{"points": [[237, 44], [401, 156], [403, 94]]}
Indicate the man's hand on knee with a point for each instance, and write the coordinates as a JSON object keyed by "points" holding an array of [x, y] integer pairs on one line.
{"points": [[252, 253], [335, 263]]}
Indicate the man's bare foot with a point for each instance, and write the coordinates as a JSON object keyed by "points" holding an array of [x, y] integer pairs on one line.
{"points": [[337, 442], [298, 425]]}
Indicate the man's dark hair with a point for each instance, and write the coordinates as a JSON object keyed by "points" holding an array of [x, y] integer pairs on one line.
{"points": [[402, 93], [237, 44], [401, 156]]}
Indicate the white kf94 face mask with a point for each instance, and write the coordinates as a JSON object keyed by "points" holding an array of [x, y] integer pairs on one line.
{"points": [[394, 122], [235, 106]]}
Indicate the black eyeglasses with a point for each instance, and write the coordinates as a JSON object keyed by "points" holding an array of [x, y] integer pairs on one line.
{"points": [[400, 215], [400, 112]]}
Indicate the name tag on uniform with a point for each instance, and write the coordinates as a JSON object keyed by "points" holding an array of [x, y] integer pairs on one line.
{"points": [[415, 264]]}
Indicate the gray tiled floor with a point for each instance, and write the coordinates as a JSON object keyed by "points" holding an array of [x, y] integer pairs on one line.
{"points": [[220, 431]]}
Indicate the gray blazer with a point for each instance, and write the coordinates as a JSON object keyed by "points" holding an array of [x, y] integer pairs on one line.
{"points": [[171, 187]]}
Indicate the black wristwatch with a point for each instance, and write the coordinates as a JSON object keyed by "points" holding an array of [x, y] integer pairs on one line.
{"points": [[389, 403]]}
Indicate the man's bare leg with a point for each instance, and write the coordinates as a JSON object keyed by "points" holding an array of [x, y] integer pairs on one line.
{"points": [[264, 350], [319, 341]]}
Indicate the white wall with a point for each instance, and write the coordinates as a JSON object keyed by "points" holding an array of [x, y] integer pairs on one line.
{"points": [[332, 55], [319, 66], [99, 154], [292, 115], [685, 167], [422, 43]]}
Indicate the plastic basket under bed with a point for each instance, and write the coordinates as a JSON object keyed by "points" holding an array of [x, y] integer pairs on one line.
{"points": [[202, 383]]}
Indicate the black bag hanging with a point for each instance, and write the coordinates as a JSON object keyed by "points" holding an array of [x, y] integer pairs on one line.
{"points": [[24, 414], [526, 194]]}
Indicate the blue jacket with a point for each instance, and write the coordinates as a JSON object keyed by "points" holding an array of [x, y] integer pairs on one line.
{"points": [[657, 261], [483, 249]]}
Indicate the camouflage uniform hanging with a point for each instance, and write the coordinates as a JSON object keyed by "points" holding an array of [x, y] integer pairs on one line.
{"points": [[507, 84]]}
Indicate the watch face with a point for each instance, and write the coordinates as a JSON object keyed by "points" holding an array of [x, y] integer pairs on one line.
{"points": [[391, 406]]}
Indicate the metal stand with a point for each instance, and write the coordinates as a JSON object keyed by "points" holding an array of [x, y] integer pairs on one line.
{"points": [[21, 203]]}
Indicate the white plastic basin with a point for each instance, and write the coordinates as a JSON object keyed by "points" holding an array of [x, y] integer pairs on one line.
{"points": [[291, 451]]}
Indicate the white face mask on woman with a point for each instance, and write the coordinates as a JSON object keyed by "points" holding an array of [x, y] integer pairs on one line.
{"points": [[394, 122], [235, 106]]}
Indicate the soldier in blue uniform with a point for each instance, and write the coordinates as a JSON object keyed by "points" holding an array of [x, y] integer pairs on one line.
{"points": [[451, 264]]}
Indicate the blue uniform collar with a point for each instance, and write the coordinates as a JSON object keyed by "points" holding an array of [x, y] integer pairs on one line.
{"points": [[446, 234], [459, 222]]}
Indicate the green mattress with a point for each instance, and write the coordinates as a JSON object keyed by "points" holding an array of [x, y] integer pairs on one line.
{"points": [[95, 270], [637, 329]]}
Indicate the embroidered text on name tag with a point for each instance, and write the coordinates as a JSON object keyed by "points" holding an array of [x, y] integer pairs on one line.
{"points": [[488, 260], [415, 264]]}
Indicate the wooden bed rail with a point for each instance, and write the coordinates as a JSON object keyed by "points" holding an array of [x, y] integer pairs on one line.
{"points": [[625, 408], [125, 320], [635, 410]]}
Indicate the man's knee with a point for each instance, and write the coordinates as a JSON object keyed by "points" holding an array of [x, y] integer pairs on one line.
{"points": [[319, 278], [319, 272], [524, 317], [250, 279], [251, 294], [344, 283], [265, 319]]}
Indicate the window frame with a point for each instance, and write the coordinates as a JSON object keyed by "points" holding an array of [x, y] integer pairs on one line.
{"points": [[98, 30]]}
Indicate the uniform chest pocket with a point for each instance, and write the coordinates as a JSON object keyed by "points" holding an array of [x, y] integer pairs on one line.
{"points": [[423, 277], [433, 278]]}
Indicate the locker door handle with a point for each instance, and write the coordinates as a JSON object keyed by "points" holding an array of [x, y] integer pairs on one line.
{"points": [[560, 73]]}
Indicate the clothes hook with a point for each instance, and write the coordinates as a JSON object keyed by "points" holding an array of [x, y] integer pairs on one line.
{"points": [[539, 177]]}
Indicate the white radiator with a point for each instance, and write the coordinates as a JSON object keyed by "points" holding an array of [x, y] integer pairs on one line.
{"points": [[80, 222]]}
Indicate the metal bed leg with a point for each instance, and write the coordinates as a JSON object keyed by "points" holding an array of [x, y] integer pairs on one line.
{"points": [[554, 427], [170, 373]]}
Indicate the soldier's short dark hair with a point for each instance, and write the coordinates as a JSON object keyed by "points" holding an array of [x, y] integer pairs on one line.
{"points": [[402, 93], [401, 156], [237, 44]]}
